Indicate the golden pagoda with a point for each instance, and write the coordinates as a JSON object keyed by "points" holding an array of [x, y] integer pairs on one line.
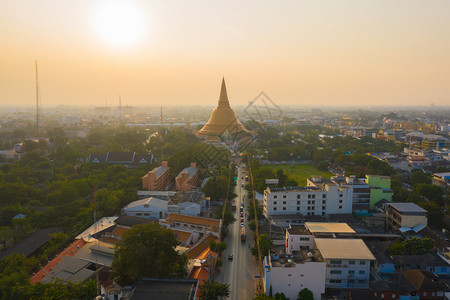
{"points": [[222, 118]]}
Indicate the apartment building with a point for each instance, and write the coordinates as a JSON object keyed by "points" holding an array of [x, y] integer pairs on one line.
{"points": [[301, 237], [187, 178], [157, 179], [347, 262], [307, 201], [289, 274], [405, 214]]}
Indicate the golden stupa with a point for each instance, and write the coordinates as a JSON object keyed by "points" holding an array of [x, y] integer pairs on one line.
{"points": [[222, 118]]}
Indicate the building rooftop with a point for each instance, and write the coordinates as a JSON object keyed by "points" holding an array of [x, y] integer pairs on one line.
{"points": [[100, 225], [322, 227], [424, 280], [147, 201], [191, 196], [165, 289], [193, 220], [201, 246], [289, 261], [130, 221], [298, 229], [160, 170], [31, 242], [190, 170], [294, 189], [407, 207], [343, 249]]}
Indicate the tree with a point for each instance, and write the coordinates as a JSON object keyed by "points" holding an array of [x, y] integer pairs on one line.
{"points": [[214, 291], [397, 248], [216, 188], [265, 245], [420, 177], [430, 191], [280, 296], [148, 251], [323, 165], [228, 217], [417, 246], [305, 294]]}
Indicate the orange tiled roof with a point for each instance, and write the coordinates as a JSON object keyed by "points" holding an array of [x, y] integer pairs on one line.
{"points": [[109, 240], [193, 220], [201, 246], [182, 236], [69, 251], [119, 230]]}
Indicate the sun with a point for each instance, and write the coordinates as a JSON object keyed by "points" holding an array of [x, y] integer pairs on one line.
{"points": [[119, 23]]}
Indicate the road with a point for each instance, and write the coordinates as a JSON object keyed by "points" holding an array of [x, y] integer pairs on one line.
{"points": [[240, 272]]}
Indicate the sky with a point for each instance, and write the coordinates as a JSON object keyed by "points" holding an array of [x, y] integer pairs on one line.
{"points": [[171, 53]]}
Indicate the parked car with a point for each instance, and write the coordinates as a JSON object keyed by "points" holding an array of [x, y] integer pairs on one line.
{"points": [[230, 257]]}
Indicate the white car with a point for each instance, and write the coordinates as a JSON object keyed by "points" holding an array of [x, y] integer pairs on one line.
{"points": [[242, 224]]}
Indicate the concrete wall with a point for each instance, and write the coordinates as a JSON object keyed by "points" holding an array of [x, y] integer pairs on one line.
{"points": [[291, 281]]}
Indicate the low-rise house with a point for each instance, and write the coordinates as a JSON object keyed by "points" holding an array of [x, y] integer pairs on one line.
{"points": [[128, 159], [200, 225], [429, 262], [347, 262], [289, 274], [404, 214], [151, 208], [427, 285], [441, 179]]}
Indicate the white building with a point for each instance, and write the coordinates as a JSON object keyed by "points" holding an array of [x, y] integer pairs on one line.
{"points": [[289, 274], [308, 201], [158, 207], [150, 208], [347, 262], [301, 237]]}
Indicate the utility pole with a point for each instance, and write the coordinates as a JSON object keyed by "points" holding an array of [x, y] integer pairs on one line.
{"points": [[162, 137], [38, 101]]}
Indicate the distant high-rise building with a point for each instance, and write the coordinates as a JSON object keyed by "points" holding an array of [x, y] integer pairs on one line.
{"points": [[223, 117]]}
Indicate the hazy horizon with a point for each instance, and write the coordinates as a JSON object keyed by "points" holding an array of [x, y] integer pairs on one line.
{"points": [[311, 54]]}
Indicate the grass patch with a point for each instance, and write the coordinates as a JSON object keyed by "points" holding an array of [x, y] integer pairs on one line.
{"points": [[299, 172]]}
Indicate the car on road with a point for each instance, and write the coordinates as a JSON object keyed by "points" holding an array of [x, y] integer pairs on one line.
{"points": [[230, 257], [242, 224], [242, 220], [242, 185]]}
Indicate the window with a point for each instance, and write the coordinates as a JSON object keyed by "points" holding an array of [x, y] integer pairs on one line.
{"points": [[393, 296], [340, 201], [146, 214], [274, 208], [309, 196], [323, 202], [284, 208], [304, 239], [309, 202], [335, 272], [313, 213], [284, 202], [351, 281], [275, 197], [298, 202], [362, 262], [146, 205], [335, 281], [324, 196], [139, 214], [314, 196], [284, 196], [298, 207], [361, 281], [275, 202], [340, 206], [382, 296], [362, 272], [340, 195], [298, 196], [424, 293], [335, 262], [351, 262], [289, 274], [323, 207], [323, 214], [350, 272]]}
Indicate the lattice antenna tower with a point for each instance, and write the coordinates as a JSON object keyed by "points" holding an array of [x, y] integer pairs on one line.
{"points": [[38, 103]]}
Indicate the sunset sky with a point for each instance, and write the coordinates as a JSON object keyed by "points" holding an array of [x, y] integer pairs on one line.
{"points": [[377, 52]]}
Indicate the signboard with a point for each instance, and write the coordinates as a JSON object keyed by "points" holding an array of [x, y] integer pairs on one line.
{"points": [[271, 181]]}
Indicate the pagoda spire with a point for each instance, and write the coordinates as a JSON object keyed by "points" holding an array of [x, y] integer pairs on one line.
{"points": [[223, 98]]}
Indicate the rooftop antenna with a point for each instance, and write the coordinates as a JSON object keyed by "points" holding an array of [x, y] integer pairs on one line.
{"points": [[38, 102]]}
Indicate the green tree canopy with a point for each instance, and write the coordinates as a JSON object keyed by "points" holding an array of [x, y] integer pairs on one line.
{"points": [[214, 291], [148, 251], [417, 246], [305, 294]]}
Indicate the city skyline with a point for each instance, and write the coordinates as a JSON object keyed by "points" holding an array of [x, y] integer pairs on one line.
{"points": [[301, 54]]}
